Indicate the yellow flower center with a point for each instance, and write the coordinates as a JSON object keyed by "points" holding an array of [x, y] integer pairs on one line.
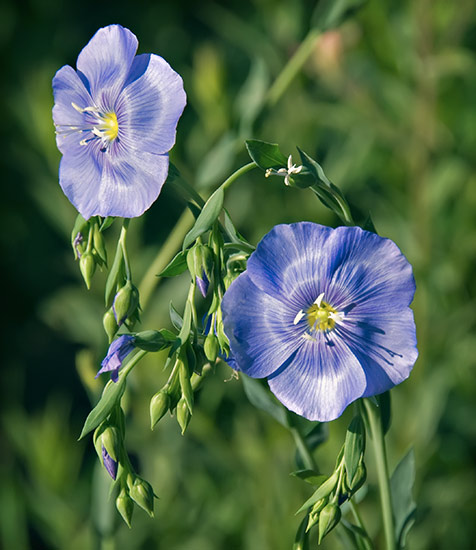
{"points": [[109, 127], [321, 316]]}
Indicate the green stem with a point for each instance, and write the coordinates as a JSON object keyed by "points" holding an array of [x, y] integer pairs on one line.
{"points": [[376, 430], [172, 244], [360, 523], [132, 363], [243, 170], [292, 68], [303, 449], [122, 240]]}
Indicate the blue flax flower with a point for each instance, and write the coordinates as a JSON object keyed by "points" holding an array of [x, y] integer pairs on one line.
{"points": [[115, 119], [117, 352], [323, 314]]}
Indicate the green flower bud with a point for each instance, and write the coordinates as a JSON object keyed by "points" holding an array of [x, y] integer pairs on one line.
{"points": [[200, 264], [142, 494], [211, 347], [185, 384], [314, 513], [159, 405], [183, 414], [125, 506], [153, 340], [125, 302], [358, 479], [109, 324], [87, 265], [328, 519], [99, 244], [111, 441]]}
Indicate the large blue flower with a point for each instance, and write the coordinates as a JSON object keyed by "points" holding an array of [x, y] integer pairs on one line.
{"points": [[115, 121], [323, 314]]}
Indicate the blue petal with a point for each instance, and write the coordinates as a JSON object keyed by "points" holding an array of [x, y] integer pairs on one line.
{"points": [[368, 273], [105, 63], [150, 105], [112, 183], [260, 328], [320, 381], [109, 463], [291, 261]]}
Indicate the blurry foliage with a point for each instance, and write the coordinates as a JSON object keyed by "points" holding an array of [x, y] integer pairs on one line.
{"points": [[386, 103]]}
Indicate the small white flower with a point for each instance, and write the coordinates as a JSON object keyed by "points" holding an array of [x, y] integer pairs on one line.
{"points": [[286, 172]]}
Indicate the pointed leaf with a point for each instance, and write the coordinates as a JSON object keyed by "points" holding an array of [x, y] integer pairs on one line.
{"points": [[176, 266], [354, 446], [324, 489], [111, 395], [175, 317], [404, 507], [206, 218], [266, 155], [310, 476]]}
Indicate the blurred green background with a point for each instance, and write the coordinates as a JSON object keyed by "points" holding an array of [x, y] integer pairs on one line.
{"points": [[386, 102]]}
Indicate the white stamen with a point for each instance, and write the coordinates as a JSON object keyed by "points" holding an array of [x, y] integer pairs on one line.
{"points": [[319, 299], [300, 314], [337, 317]]}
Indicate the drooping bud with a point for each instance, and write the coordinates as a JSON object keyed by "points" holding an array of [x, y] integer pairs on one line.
{"points": [[141, 493], [200, 265], [359, 478], [125, 506], [111, 441], [183, 414], [109, 324], [211, 347], [314, 513], [109, 463], [99, 244], [159, 405], [328, 519], [184, 378], [125, 302], [154, 340], [87, 265]]}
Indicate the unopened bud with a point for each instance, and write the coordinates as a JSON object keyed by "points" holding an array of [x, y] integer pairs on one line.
{"points": [[314, 513], [87, 265], [183, 414], [200, 265], [159, 405], [328, 519], [185, 384], [109, 324], [99, 245], [111, 441], [211, 347], [125, 302], [142, 494], [359, 477], [125, 506]]}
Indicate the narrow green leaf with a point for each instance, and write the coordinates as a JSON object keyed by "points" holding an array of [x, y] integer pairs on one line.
{"points": [[176, 266], [187, 321], [323, 490], [111, 395], [262, 399], [310, 476], [266, 155], [354, 446], [175, 317], [207, 217], [404, 507]]}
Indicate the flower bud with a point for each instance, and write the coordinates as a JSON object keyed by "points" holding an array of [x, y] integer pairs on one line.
{"points": [[314, 513], [359, 477], [99, 245], [211, 347], [159, 405], [109, 463], [125, 302], [200, 265], [183, 414], [125, 506], [142, 494], [87, 265], [109, 324], [328, 519], [185, 384], [111, 441]]}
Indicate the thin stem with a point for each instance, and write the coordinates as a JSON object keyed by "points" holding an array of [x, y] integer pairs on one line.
{"points": [[243, 170], [375, 422], [122, 240], [172, 244], [360, 523], [303, 449], [132, 363], [292, 68]]}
